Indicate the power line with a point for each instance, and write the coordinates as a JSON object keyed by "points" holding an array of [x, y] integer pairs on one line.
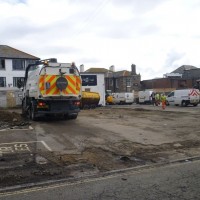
{"points": [[91, 17]]}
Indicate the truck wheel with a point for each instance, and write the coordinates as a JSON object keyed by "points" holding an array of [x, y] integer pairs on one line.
{"points": [[73, 117], [32, 114], [93, 106], [195, 104], [183, 104]]}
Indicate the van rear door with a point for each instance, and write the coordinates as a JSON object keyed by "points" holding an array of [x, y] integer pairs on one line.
{"points": [[194, 96]]}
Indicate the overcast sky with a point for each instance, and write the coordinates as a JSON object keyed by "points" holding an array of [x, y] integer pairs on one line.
{"points": [[157, 36]]}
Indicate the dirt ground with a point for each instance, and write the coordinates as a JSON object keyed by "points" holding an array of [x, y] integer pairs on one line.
{"points": [[11, 120], [100, 140]]}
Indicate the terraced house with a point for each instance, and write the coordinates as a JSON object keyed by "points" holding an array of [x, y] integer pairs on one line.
{"points": [[119, 81], [12, 65]]}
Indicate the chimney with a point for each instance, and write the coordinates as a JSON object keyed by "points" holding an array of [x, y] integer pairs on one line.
{"points": [[133, 69], [112, 68], [82, 68]]}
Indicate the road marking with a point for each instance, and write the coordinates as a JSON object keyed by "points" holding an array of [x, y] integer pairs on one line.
{"points": [[43, 188], [87, 180], [46, 146], [17, 129], [19, 146], [15, 148]]}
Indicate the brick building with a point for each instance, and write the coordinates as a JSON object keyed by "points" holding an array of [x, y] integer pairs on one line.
{"points": [[166, 84], [186, 76], [119, 81], [193, 75]]}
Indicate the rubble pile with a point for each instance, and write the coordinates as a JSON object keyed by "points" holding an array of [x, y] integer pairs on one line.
{"points": [[11, 120]]}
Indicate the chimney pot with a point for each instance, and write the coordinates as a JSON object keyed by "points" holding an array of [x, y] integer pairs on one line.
{"points": [[82, 68]]}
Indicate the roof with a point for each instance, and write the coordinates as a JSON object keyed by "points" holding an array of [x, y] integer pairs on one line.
{"points": [[10, 52], [97, 70], [119, 74], [182, 68], [108, 72], [122, 73]]}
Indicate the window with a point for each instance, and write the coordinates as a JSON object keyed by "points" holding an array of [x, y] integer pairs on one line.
{"points": [[2, 64], [111, 82], [128, 89], [18, 64], [16, 80], [171, 94], [128, 82], [2, 81], [89, 80], [117, 83]]}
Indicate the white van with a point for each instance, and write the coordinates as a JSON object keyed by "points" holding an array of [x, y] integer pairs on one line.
{"points": [[184, 97], [123, 98], [145, 97]]}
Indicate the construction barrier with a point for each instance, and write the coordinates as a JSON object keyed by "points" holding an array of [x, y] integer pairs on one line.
{"points": [[10, 98]]}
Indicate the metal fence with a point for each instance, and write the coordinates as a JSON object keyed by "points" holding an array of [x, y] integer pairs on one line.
{"points": [[10, 98]]}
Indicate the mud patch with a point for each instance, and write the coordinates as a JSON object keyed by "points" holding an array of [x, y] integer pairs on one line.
{"points": [[127, 154], [31, 174], [6, 116], [91, 161], [141, 109], [134, 149], [101, 148], [12, 120], [102, 159]]}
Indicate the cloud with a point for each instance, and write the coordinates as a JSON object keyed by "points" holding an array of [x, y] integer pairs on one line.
{"points": [[17, 28], [138, 6], [13, 1], [91, 62], [156, 35], [172, 57]]}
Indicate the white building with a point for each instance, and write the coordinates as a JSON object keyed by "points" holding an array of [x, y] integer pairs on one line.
{"points": [[12, 65], [92, 82]]}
